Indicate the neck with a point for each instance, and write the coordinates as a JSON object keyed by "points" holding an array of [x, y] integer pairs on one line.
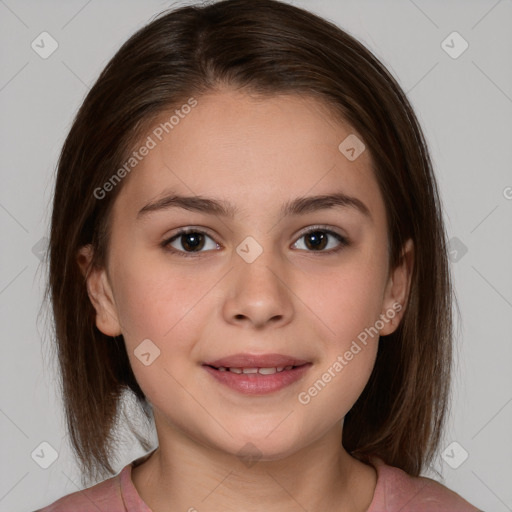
{"points": [[183, 474]]}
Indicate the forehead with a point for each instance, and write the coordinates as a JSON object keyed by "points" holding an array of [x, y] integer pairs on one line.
{"points": [[251, 150]]}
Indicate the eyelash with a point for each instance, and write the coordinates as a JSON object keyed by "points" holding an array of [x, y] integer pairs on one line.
{"points": [[165, 244]]}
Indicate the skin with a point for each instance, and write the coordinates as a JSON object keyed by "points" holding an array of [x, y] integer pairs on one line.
{"points": [[256, 153]]}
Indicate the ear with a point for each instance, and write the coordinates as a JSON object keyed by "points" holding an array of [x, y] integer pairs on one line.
{"points": [[397, 290], [100, 293]]}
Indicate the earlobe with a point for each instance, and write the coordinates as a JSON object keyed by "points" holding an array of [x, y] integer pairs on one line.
{"points": [[100, 293], [397, 290]]}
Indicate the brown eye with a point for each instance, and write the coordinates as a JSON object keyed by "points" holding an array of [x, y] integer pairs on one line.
{"points": [[189, 241], [192, 241], [316, 240]]}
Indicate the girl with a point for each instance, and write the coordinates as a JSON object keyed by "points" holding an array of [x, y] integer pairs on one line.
{"points": [[247, 237]]}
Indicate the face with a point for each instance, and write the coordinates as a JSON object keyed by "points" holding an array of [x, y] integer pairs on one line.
{"points": [[306, 284]]}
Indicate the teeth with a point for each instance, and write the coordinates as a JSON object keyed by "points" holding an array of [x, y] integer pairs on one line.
{"points": [[267, 371], [261, 371]]}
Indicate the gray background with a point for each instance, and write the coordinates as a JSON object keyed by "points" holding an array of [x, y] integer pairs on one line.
{"points": [[465, 107]]}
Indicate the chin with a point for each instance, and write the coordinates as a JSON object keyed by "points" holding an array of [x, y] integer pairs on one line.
{"points": [[263, 447]]}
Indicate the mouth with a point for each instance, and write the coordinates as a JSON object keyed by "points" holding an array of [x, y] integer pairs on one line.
{"points": [[257, 374], [261, 370]]}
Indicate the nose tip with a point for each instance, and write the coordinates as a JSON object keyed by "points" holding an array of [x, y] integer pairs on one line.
{"points": [[258, 294]]}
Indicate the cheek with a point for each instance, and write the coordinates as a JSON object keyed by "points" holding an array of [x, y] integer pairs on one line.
{"points": [[335, 387], [344, 370], [348, 304], [154, 299], [161, 305], [346, 299], [158, 301]]}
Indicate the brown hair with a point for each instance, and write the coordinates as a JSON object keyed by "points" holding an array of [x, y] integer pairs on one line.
{"points": [[264, 47]]}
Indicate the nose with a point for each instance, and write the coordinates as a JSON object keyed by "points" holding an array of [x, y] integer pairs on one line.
{"points": [[257, 293]]}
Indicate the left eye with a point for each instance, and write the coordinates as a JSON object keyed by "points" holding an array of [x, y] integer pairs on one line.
{"points": [[317, 239]]}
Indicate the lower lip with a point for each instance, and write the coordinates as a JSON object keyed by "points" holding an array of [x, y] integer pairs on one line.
{"points": [[256, 383]]}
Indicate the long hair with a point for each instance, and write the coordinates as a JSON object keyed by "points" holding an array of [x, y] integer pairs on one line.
{"points": [[263, 47]]}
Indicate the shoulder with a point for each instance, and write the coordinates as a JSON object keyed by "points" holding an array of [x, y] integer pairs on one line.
{"points": [[105, 495], [397, 490]]}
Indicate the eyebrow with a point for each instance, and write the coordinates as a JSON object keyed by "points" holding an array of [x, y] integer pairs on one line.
{"points": [[298, 206]]}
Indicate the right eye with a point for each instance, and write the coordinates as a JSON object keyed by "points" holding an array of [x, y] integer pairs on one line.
{"points": [[190, 240]]}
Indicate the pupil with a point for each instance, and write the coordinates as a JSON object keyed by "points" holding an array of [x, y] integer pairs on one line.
{"points": [[193, 241], [318, 239]]}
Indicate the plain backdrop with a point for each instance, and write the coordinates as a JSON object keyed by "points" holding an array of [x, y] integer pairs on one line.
{"points": [[465, 107]]}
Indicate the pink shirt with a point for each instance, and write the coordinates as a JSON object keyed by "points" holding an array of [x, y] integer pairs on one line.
{"points": [[395, 491]]}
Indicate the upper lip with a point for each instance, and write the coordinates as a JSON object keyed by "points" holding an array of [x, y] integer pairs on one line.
{"points": [[256, 361]]}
